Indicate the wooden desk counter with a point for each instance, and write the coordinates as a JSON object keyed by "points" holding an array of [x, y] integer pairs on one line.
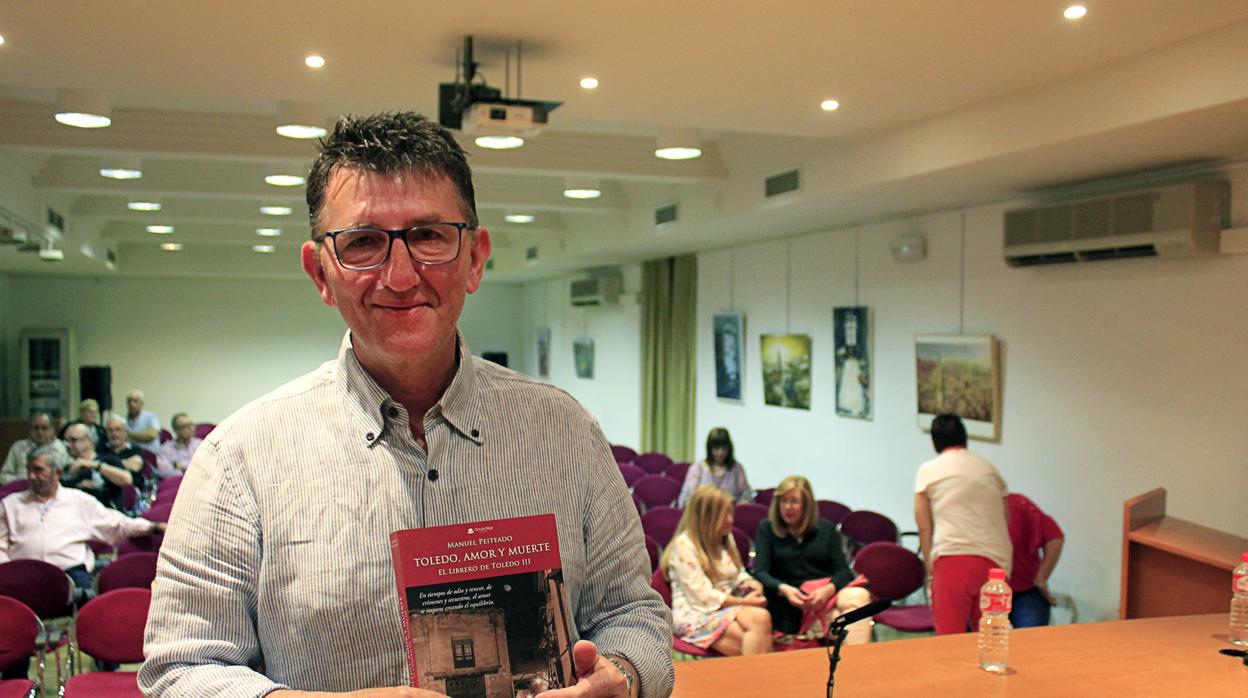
{"points": [[1175, 656]]}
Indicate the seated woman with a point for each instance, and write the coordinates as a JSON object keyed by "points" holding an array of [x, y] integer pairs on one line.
{"points": [[801, 563], [716, 604], [720, 469]]}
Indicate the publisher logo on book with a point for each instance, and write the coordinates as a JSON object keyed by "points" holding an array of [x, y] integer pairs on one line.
{"points": [[479, 529]]}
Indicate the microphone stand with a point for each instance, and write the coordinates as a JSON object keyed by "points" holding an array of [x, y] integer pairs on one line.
{"points": [[838, 629]]}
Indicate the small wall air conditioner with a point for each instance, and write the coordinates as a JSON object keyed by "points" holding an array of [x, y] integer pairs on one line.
{"points": [[597, 290], [1180, 220]]}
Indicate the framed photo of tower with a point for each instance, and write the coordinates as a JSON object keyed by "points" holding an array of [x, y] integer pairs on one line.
{"points": [[960, 374], [729, 328], [786, 364], [851, 334]]}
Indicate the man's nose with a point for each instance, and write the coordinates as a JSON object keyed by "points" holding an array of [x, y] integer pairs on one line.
{"points": [[400, 272]]}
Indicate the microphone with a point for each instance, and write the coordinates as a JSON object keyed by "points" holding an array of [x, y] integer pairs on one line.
{"points": [[858, 614], [433, 477]]}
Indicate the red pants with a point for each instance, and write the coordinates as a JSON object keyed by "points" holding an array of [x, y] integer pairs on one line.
{"points": [[956, 580]]}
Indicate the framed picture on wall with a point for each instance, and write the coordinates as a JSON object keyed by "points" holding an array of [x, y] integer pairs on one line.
{"points": [[583, 353], [851, 334], [960, 374], [729, 329], [786, 369], [543, 352]]}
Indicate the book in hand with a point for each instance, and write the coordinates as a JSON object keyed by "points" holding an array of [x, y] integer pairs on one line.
{"points": [[484, 607]]}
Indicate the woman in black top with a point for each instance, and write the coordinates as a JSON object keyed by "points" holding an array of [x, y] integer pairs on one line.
{"points": [[801, 563]]}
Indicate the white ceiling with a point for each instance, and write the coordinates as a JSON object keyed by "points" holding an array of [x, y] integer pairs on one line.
{"points": [[944, 104]]}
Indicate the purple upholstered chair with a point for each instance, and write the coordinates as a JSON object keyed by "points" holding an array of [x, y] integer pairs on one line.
{"points": [[18, 642], [677, 471], [110, 628], [863, 527], [831, 511], [654, 462], [894, 572], [660, 523], [764, 497], [134, 570], [652, 551], [623, 454], [44, 588], [743, 541], [747, 517], [658, 581], [631, 474], [15, 486], [657, 490]]}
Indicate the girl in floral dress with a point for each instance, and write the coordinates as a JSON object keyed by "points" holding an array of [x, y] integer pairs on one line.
{"points": [[716, 604]]}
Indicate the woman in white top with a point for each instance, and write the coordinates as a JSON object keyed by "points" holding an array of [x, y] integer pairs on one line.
{"points": [[721, 468], [716, 604]]}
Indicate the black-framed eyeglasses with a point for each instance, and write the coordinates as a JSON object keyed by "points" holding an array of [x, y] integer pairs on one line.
{"points": [[368, 248]]}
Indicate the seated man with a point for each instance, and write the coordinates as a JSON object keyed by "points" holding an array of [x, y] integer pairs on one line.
{"points": [[1038, 544], [89, 414], [144, 426], [101, 476], [41, 434], [53, 523], [175, 454]]}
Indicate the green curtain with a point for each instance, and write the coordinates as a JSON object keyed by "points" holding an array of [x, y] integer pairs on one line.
{"points": [[668, 356]]}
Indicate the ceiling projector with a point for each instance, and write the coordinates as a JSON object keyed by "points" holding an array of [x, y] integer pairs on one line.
{"points": [[471, 106]]}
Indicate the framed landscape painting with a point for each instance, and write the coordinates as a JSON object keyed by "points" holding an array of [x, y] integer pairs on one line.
{"points": [[960, 374], [851, 335], [786, 370], [583, 354], [728, 332]]}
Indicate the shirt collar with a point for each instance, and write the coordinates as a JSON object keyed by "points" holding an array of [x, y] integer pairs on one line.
{"points": [[372, 409]]}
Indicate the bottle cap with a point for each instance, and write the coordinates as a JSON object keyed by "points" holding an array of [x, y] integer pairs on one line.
{"points": [[998, 573], [1243, 557]]}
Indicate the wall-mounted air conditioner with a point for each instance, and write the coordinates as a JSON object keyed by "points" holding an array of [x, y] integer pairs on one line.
{"points": [[597, 290], [1180, 220]]}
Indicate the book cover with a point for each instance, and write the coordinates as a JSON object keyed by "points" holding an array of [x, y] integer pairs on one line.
{"points": [[485, 611]]}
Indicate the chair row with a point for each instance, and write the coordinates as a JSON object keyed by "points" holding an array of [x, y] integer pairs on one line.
{"points": [[201, 432]]}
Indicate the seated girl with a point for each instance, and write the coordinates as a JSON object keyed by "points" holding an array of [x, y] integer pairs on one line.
{"points": [[716, 604]]}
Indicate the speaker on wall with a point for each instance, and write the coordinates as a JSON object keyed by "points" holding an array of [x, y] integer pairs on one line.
{"points": [[96, 382]]}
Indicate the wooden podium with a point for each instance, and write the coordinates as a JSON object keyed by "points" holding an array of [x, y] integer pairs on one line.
{"points": [[1172, 567]]}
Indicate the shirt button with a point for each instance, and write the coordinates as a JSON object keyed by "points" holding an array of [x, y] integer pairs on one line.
{"points": [[369, 436], [475, 433]]}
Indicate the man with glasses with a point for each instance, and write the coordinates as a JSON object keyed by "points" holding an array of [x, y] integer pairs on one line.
{"points": [[41, 434], [277, 573], [176, 453]]}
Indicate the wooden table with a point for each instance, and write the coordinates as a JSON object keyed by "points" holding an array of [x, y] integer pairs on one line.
{"points": [[1175, 656]]}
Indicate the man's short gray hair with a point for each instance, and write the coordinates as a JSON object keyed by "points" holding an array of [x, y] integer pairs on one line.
{"points": [[40, 452], [115, 418]]}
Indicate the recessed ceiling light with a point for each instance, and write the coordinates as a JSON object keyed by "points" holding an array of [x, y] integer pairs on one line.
{"points": [[160, 229], [589, 83], [263, 248], [499, 142], [829, 105], [1075, 12], [578, 193], [678, 153], [519, 218], [171, 246], [269, 232], [678, 144], [314, 61], [284, 180], [301, 131], [120, 173], [1, 40], [143, 206], [276, 210], [83, 108]]}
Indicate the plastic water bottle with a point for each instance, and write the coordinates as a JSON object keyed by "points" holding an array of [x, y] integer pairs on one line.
{"points": [[1239, 602], [995, 601]]}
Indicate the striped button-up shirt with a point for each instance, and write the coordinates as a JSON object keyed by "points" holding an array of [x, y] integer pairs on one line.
{"points": [[276, 569]]}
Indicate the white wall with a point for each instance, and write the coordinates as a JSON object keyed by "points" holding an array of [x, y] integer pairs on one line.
{"points": [[1118, 377], [613, 395], [208, 346]]}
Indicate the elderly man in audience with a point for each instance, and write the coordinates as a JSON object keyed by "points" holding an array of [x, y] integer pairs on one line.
{"points": [[89, 414], [101, 476], [41, 434], [175, 454], [52, 523], [144, 426]]}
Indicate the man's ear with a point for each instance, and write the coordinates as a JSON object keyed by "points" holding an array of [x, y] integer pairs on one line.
{"points": [[477, 256], [310, 255]]}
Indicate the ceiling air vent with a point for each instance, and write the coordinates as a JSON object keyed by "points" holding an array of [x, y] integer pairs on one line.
{"points": [[666, 214], [783, 183], [530, 253]]}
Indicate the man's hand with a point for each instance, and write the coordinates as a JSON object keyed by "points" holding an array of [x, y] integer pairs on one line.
{"points": [[597, 678]]}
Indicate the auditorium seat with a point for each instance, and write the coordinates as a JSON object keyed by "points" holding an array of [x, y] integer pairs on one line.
{"points": [[657, 491], [136, 570], [832, 511], [677, 471], [658, 581], [765, 496], [653, 551], [894, 572], [660, 523], [18, 642], [623, 454], [653, 462], [862, 527], [631, 474], [15, 486], [203, 429], [110, 629], [743, 541], [747, 516]]}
